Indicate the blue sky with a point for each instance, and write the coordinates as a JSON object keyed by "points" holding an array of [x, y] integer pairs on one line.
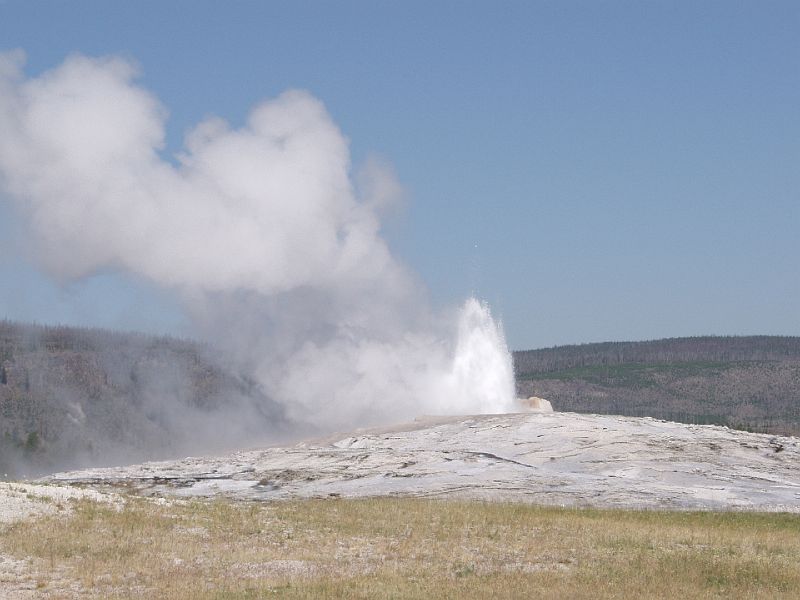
{"points": [[596, 170]]}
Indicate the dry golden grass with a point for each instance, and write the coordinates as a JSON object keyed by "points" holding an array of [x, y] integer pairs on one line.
{"points": [[393, 548]]}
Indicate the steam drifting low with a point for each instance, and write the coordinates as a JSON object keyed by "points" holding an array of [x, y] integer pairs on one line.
{"points": [[276, 253]]}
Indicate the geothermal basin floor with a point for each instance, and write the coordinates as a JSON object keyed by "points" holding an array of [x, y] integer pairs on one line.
{"points": [[562, 459]]}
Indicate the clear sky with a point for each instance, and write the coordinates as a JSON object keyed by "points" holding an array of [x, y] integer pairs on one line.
{"points": [[598, 170]]}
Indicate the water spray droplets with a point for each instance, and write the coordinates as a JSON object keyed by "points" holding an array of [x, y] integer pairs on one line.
{"points": [[482, 376]]}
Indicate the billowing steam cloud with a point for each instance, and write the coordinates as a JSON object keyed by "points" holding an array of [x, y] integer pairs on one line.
{"points": [[262, 232]]}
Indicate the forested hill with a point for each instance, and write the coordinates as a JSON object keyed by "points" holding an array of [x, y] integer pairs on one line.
{"points": [[672, 350], [746, 382], [72, 396]]}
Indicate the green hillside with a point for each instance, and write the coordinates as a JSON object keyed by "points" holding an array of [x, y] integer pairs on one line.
{"points": [[743, 382]]}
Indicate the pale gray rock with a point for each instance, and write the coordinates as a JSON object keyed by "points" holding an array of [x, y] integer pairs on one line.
{"points": [[545, 458]]}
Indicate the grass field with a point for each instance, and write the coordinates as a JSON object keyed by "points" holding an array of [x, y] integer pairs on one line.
{"points": [[393, 548]]}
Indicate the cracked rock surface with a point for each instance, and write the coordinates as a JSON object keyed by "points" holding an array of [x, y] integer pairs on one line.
{"points": [[550, 458]]}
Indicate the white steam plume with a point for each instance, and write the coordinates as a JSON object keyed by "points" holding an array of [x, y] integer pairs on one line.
{"points": [[260, 229]]}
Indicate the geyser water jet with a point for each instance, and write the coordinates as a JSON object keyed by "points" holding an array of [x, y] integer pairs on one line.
{"points": [[482, 369], [260, 230]]}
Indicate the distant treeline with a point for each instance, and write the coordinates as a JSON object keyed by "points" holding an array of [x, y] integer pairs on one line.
{"points": [[748, 383], [76, 396], [719, 349], [29, 337]]}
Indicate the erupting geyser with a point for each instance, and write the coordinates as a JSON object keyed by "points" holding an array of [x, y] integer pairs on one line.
{"points": [[483, 370], [276, 253]]}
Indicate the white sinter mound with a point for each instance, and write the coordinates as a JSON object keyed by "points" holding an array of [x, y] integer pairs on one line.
{"points": [[548, 458]]}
